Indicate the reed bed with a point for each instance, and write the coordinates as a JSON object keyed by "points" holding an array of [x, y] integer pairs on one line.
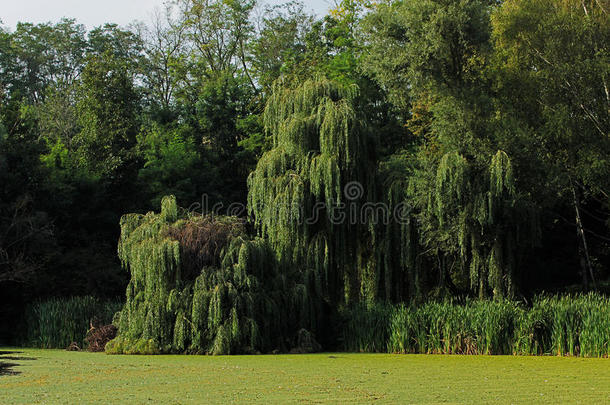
{"points": [[58, 322], [575, 325]]}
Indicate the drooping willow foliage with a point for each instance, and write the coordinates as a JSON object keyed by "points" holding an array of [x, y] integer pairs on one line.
{"points": [[455, 216], [307, 193], [475, 215], [336, 228], [397, 242], [200, 284]]}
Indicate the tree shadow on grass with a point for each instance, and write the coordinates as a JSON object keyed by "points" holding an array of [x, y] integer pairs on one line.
{"points": [[6, 368]]}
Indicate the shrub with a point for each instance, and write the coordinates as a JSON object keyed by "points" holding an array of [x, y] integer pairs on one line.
{"points": [[122, 345]]}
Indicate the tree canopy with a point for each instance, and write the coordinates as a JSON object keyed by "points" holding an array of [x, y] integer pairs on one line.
{"points": [[398, 151]]}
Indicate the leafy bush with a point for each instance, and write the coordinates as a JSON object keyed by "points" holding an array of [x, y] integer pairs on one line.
{"points": [[123, 345]]}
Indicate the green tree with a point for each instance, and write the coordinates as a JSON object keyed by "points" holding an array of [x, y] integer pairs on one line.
{"points": [[173, 163], [26, 233], [280, 46], [122, 45], [553, 75], [165, 58], [458, 176], [220, 115], [108, 115], [296, 193], [200, 284], [43, 54], [218, 31]]}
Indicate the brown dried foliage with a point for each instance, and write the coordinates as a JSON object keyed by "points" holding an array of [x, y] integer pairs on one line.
{"points": [[202, 239], [97, 337]]}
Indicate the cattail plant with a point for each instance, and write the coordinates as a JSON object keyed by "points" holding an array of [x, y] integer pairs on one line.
{"points": [[569, 325], [58, 322]]}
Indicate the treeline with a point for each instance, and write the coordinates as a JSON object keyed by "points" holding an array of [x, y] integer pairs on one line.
{"points": [[484, 124]]}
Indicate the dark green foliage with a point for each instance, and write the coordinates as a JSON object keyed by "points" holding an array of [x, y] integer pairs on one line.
{"points": [[26, 233], [485, 220], [569, 325], [172, 164], [472, 219], [56, 323], [115, 42], [36, 56], [225, 119], [107, 113], [200, 284]]}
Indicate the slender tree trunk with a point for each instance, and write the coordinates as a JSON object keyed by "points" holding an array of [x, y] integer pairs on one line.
{"points": [[440, 270], [583, 250], [482, 292], [583, 266], [243, 62]]}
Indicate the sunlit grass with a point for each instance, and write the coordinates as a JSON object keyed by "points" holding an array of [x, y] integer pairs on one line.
{"points": [[55, 376]]}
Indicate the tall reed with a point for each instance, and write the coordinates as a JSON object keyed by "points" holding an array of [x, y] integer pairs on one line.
{"points": [[366, 327], [57, 322], [565, 325]]}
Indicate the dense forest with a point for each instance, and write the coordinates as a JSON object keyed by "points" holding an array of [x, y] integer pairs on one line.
{"points": [[391, 152]]}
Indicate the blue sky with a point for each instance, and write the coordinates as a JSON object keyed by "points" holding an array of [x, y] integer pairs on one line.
{"points": [[96, 12]]}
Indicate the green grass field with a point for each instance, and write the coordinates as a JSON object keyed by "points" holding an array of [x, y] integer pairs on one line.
{"points": [[56, 376]]}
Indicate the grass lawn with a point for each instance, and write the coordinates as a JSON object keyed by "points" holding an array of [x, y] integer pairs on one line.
{"points": [[57, 376]]}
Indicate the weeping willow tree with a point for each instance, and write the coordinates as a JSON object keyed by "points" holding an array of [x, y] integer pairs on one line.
{"points": [[474, 214], [199, 284], [397, 242], [307, 192]]}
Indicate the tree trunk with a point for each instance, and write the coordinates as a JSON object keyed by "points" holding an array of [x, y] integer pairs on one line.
{"points": [[583, 249], [441, 270]]}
